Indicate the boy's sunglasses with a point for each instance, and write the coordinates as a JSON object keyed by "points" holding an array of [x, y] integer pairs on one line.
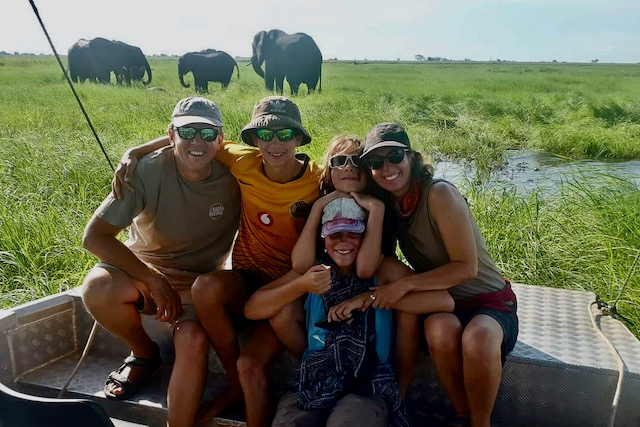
{"points": [[189, 132], [394, 156], [283, 135], [340, 161]]}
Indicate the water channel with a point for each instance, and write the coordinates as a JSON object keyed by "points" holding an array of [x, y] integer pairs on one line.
{"points": [[527, 170]]}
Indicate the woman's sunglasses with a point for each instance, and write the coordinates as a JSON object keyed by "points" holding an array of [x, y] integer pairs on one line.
{"points": [[394, 156], [189, 132], [340, 161], [283, 135]]}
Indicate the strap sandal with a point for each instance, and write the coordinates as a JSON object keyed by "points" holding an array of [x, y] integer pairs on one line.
{"points": [[129, 388], [458, 421]]}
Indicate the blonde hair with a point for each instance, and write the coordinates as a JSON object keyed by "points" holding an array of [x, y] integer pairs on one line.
{"points": [[339, 144]]}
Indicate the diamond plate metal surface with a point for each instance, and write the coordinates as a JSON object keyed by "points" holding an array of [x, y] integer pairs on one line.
{"points": [[559, 375], [37, 343]]}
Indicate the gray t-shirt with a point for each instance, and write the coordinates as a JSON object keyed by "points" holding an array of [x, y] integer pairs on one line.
{"points": [[422, 245], [177, 223]]}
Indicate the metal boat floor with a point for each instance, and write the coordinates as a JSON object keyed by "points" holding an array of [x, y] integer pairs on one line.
{"points": [[560, 373]]}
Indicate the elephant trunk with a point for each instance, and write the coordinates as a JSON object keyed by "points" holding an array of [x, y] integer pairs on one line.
{"points": [[257, 66], [181, 77], [147, 67]]}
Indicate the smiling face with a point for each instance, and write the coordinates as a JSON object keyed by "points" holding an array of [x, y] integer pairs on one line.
{"points": [[394, 178], [278, 154], [343, 249], [194, 156], [348, 178]]}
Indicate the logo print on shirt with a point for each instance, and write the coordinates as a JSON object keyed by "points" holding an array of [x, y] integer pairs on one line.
{"points": [[265, 218], [216, 211], [300, 209]]}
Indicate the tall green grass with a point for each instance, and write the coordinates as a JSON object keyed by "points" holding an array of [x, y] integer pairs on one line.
{"points": [[53, 175]]}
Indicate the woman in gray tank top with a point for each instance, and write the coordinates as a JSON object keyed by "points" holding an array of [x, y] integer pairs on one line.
{"points": [[440, 239]]}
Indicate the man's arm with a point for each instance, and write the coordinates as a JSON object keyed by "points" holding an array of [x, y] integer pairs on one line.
{"points": [[100, 239]]}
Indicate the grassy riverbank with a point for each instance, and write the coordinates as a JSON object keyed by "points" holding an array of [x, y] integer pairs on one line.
{"points": [[53, 175]]}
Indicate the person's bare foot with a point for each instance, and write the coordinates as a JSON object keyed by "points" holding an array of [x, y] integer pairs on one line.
{"points": [[213, 408]]}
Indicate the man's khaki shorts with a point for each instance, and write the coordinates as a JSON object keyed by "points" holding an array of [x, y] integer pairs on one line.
{"points": [[180, 280]]}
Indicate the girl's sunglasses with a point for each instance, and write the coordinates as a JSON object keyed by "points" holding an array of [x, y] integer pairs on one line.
{"points": [[283, 135], [340, 161], [189, 132], [394, 156]]}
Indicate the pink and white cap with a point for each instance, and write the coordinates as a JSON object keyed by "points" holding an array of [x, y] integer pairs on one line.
{"points": [[343, 214]]}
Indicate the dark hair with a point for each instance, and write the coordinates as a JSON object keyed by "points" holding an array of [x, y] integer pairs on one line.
{"points": [[421, 171]]}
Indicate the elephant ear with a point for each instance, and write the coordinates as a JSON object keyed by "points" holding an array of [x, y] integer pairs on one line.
{"points": [[259, 47]]}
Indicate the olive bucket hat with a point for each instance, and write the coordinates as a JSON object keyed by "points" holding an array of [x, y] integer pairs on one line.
{"points": [[275, 111]]}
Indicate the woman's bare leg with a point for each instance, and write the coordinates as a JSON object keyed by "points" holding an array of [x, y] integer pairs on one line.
{"points": [[444, 336], [481, 352]]}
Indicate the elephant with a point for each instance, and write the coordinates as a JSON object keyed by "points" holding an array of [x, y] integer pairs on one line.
{"points": [[95, 60], [208, 65], [294, 56]]}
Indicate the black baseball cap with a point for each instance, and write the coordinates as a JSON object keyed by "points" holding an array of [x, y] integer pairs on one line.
{"points": [[385, 135]]}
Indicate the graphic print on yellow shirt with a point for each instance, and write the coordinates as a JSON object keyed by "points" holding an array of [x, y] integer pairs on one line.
{"points": [[272, 214]]}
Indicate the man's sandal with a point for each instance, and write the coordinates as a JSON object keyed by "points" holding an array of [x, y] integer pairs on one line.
{"points": [[128, 388]]}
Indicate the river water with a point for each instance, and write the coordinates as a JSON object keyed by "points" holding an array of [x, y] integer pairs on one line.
{"points": [[527, 170]]}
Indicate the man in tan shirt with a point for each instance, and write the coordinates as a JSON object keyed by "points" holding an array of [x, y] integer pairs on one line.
{"points": [[183, 216]]}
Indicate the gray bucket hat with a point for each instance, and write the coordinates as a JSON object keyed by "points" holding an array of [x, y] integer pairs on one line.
{"points": [[275, 111]]}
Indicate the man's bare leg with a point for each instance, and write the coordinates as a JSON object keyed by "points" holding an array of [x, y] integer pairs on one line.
{"points": [[253, 365], [110, 295], [481, 351], [444, 336], [215, 297], [407, 348], [189, 373]]}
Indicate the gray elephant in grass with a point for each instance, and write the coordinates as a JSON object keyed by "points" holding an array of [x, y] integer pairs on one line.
{"points": [[294, 56], [208, 65], [96, 59]]}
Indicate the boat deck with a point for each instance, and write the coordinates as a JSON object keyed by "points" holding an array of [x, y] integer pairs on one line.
{"points": [[560, 373]]}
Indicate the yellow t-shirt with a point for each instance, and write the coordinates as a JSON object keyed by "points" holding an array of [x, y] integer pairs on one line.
{"points": [[272, 214]]}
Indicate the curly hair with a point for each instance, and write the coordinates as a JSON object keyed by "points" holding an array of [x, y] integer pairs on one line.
{"points": [[339, 144]]}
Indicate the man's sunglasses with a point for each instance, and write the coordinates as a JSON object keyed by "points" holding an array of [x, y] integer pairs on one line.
{"points": [[394, 156], [284, 135], [340, 161], [189, 132]]}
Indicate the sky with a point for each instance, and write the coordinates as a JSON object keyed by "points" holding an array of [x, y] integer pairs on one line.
{"points": [[481, 30]]}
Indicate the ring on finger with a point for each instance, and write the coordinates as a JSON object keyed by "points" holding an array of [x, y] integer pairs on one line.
{"points": [[372, 296]]}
